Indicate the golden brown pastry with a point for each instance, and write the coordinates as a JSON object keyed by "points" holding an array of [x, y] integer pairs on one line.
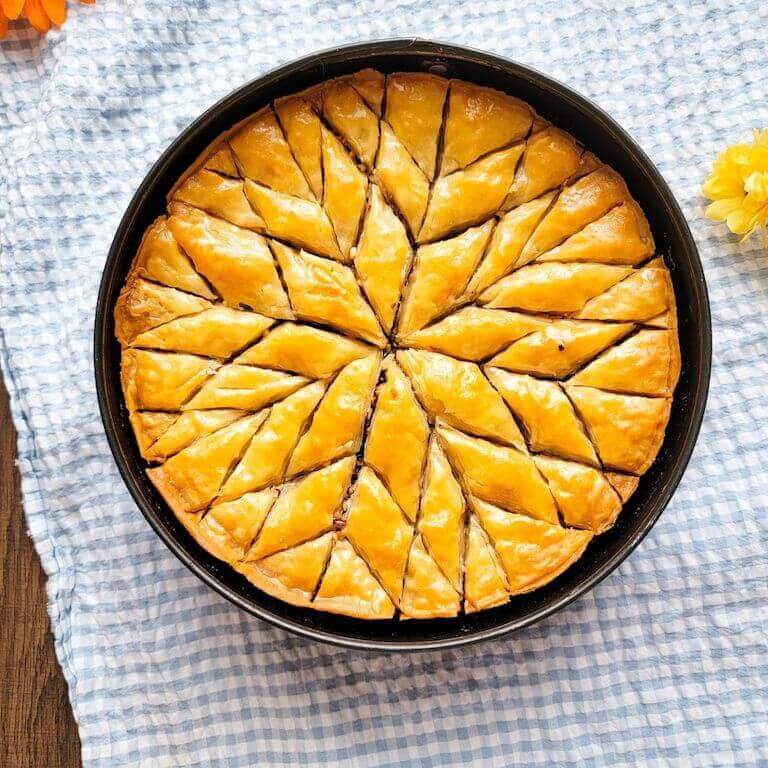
{"points": [[347, 112], [236, 262], [442, 517], [551, 157], [469, 195], [415, 112], [645, 294], [348, 587], [474, 333], [485, 583], [265, 461], [552, 288], [504, 476], [427, 593], [215, 332], [398, 421], [304, 509], [400, 348], [227, 530], [560, 347], [457, 392], [305, 350], [345, 193], [625, 485], [627, 430], [148, 426], [161, 260], [245, 387], [156, 381], [647, 363], [293, 574], [324, 291], [190, 479], [533, 552], [440, 275], [220, 160], [480, 120], [577, 206], [188, 427], [550, 424], [303, 223], [370, 85], [382, 258], [336, 428], [220, 196], [378, 530], [509, 238], [263, 155], [621, 236], [584, 495], [402, 180], [302, 131], [143, 305]]}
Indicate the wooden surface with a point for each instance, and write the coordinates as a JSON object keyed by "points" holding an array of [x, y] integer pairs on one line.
{"points": [[36, 725]]}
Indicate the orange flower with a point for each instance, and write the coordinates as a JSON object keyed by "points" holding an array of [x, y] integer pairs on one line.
{"points": [[12, 8], [56, 10], [41, 14], [35, 14]]}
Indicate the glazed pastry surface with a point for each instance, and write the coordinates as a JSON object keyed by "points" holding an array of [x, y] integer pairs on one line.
{"points": [[398, 348]]}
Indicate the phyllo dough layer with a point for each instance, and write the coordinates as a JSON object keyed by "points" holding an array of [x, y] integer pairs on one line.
{"points": [[399, 348]]}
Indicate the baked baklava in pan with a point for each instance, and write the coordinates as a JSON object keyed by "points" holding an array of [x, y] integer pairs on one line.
{"points": [[399, 347]]}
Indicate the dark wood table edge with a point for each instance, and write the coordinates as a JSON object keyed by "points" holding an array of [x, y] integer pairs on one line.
{"points": [[37, 729]]}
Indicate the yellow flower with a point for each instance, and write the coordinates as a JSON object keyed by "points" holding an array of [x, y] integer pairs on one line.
{"points": [[739, 186]]}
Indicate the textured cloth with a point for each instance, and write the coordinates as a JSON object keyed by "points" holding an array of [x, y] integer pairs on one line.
{"points": [[664, 663]]}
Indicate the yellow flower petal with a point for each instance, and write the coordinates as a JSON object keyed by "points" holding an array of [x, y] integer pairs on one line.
{"points": [[716, 187], [740, 222], [754, 207], [756, 186], [760, 217], [720, 209], [759, 158]]}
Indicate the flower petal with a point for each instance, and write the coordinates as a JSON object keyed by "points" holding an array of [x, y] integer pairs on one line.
{"points": [[756, 186], [717, 186], [56, 10], [760, 218], [759, 159], [3, 24], [36, 16], [740, 222], [720, 209], [12, 8]]}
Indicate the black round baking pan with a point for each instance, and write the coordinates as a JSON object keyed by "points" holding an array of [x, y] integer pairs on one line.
{"points": [[600, 134]]}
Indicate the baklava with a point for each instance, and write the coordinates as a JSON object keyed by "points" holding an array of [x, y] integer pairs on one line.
{"points": [[399, 347]]}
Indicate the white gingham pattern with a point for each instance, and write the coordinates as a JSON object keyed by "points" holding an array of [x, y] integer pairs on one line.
{"points": [[663, 664]]}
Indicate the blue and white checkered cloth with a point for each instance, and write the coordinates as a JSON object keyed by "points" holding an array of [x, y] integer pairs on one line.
{"points": [[665, 663]]}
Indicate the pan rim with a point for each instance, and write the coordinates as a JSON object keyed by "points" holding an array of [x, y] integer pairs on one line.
{"points": [[358, 53]]}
